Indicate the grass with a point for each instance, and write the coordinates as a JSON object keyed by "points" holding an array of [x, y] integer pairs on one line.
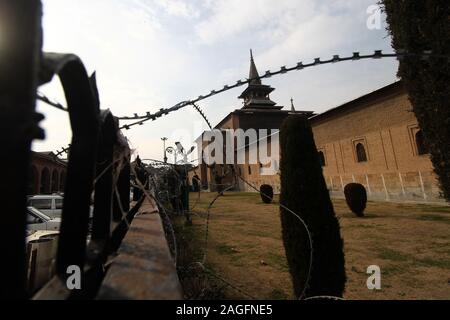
{"points": [[392, 255], [409, 242], [432, 217]]}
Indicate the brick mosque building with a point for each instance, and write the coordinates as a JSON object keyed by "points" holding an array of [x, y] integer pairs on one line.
{"points": [[48, 173], [258, 112], [374, 140]]}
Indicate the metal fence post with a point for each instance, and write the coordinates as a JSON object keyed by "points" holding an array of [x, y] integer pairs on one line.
{"points": [[83, 107], [104, 189], [20, 34]]}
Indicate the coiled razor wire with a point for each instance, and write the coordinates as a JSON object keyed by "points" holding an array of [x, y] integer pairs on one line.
{"points": [[356, 56], [310, 240], [164, 215], [199, 110], [208, 215], [202, 263]]}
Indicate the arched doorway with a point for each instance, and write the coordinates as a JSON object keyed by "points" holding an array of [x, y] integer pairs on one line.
{"points": [[45, 181], [55, 181]]}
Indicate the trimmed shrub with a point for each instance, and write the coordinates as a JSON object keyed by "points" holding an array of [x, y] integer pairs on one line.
{"points": [[304, 191], [417, 26], [266, 192], [356, 197]]}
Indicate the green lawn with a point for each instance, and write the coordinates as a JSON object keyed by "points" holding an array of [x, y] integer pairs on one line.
{"points": [[411, 244]]}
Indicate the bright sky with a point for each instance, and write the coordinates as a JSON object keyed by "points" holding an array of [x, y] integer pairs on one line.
{"points": [[150, 54]]}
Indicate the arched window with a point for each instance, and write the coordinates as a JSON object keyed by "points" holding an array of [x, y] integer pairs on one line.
{"points": [[422, 148], [249, 170], [361, 154], [321, 158]]}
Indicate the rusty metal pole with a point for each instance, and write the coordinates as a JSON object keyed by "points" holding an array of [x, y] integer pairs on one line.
{"points": [[20, 50]]}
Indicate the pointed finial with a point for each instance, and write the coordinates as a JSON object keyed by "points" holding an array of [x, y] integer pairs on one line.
{"points": [[253, 75], [292, 105]]}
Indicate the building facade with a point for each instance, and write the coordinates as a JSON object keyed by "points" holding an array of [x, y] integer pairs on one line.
{"points": [[48, 174], [374, 140]]}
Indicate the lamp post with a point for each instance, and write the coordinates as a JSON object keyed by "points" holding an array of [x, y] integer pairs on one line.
{"points": [[164, 139]]}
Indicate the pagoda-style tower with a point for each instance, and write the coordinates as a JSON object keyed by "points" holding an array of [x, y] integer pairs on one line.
{"points": [[257, 95]]}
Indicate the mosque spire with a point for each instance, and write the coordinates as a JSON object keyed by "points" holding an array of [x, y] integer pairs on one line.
{"points": [[253, 74], [257, 95], [292, 105]]}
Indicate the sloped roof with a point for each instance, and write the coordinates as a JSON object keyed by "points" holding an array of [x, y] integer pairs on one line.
{"points": [[392, 88]]}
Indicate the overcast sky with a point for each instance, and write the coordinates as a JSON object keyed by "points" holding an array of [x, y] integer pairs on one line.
{"points": [[150, 54]]}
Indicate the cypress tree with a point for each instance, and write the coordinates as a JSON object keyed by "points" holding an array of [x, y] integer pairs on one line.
{"points": [[417, 26], [304, 191]]}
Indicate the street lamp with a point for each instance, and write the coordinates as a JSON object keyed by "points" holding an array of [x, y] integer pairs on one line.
{"points": [[164, 146], [172, 150], [184, 153]]}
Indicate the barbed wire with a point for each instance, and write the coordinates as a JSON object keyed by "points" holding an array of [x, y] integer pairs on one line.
{"points": [[199, 110], [378, 54], [308, 233], [41, 97], [202, 263]]}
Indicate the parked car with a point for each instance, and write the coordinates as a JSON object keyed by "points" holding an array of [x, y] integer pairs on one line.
{"points": [[37, 220], [50, 205]]}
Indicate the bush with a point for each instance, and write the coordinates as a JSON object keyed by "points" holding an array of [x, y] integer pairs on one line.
{"points": [[304, 191], [266, 192], [356, 197]]}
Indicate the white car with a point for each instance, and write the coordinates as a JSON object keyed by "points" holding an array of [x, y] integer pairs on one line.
{"points": [[51, 205], [36, 235], [37, 220]]}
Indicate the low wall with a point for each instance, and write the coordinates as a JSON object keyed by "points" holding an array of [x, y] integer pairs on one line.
{"points": [[144, 268], [421, 187], [416, 186]]}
